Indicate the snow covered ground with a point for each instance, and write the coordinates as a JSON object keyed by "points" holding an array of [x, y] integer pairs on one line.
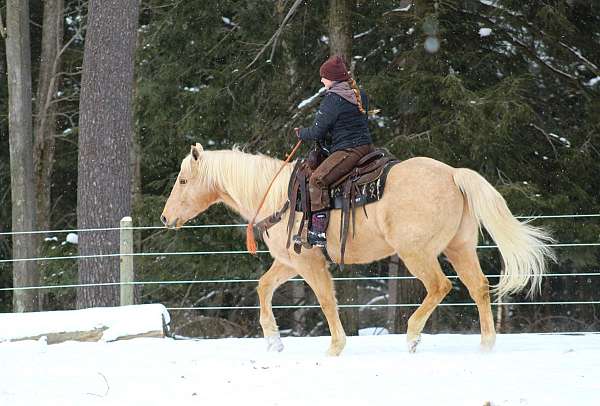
{"points": [[524, 369]]}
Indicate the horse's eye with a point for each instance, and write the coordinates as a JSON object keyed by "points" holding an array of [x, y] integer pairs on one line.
{"points": [[182, 181]]}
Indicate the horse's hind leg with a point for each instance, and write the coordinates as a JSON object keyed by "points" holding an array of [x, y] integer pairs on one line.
{"points": [[271, 280], [427, 269], [463, 258]]}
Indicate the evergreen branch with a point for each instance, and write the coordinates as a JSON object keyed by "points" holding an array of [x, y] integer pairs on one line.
{"points": [[218, 44], [409, 137], [547, 138], [594, 68], [520, 44], [275, 37], [519, 18]]}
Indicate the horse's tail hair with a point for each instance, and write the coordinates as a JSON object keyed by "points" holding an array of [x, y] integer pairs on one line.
{"points": [[522, 246]]}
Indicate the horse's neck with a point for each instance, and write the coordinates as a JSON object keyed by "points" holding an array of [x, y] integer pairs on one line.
{"points": [[242, 180]]}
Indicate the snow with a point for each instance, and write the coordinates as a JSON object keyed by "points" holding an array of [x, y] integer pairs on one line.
{"points": [[311, 98], [362, 34], [402, 8], [592, 81], [121, 321], [524, 369], [485, 32], [72, 238]]}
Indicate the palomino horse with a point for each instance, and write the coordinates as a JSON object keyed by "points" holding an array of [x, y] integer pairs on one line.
{"points": [[427, 208]]}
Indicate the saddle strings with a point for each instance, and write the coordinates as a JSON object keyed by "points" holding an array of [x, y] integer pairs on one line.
{"points": [[250, 240]]}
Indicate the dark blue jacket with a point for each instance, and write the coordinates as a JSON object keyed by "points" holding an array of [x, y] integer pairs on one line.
{"points": [[339, 124]]}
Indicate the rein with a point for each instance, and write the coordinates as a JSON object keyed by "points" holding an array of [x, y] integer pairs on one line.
{"points": [[250, 240]]}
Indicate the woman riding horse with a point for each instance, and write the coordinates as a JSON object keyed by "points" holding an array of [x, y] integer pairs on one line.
{"points": [[341, 128]]}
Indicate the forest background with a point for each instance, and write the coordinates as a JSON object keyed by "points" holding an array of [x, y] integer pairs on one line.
{"points": [[508, 88]]}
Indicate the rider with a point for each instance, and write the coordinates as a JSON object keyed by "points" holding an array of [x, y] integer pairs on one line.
{"points": [[341, 128]]}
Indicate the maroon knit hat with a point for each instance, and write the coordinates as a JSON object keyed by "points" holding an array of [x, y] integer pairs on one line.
{"points": [[334, 69]]}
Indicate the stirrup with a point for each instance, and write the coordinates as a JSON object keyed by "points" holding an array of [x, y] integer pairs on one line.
{"points": [[317, 239]]}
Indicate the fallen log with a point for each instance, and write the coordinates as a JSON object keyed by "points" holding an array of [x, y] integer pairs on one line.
{"points": [[95, 324]]}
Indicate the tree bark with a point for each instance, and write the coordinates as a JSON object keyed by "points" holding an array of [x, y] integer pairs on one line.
{"points": [[45, 124], [340, 43], [106, 131], [340, 29], [18, 59]]}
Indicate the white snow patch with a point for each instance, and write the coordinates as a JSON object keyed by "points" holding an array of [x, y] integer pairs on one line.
{"points": [[324, 39], [485, 32], [362, 34], [72, 238], [51, 238], [592, 81], [121, 321], [373, 331], [311, 98], [448, 370], [402, 8]]}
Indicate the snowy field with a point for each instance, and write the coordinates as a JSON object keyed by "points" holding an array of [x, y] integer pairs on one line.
{"points": [[523, 369]]}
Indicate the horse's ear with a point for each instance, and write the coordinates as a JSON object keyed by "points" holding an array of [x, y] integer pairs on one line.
{"points": [[196, 151]]}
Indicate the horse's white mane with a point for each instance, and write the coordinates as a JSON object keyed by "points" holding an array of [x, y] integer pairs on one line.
{"points": [[245, 177]]}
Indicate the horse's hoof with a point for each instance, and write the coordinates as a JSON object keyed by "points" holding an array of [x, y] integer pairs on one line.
{"points": [[334, 351], [274, 343], [487, 345], [336, 348], [412, 344]]}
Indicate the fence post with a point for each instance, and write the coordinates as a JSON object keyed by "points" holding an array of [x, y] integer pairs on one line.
{"points": [[126, 265]]}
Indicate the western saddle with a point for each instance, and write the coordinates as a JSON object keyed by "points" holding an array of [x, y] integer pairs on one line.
{"points": [[362, 185]]}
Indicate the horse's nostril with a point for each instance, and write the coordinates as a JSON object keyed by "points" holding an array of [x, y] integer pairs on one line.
{"points": [[163, 219]]}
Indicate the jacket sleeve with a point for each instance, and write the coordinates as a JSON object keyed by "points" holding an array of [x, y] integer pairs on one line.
{"points": [[324, 121]]}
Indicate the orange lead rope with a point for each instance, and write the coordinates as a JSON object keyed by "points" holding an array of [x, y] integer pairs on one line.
{"points": [[250, 240]]}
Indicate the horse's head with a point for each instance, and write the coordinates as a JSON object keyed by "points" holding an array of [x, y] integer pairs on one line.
{"points": [[192, 193]]}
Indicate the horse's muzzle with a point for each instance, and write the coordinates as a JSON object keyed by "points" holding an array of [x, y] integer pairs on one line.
{"points": [[164, 220]]}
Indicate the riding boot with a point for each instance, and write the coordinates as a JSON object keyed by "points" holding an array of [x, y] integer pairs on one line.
{"points": [[318, 227]]}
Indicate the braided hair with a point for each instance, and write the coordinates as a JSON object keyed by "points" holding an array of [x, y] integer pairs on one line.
{"points": [[354, 87]]}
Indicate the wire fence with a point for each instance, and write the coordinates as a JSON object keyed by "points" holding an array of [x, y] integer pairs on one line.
{"points": [[80, 230], [237, 281], [234, 281]]}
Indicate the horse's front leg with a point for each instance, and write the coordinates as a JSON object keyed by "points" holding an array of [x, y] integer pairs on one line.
{"points": [[271, 280], [314, 271]]}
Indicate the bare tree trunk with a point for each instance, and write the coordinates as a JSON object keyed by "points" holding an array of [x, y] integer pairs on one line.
{"points": [[45, 124], [18, 59], [106, 131], [340, 29], [340, 43]]}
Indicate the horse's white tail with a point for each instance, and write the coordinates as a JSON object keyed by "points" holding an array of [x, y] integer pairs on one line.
{"points": [[521, 245]]}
